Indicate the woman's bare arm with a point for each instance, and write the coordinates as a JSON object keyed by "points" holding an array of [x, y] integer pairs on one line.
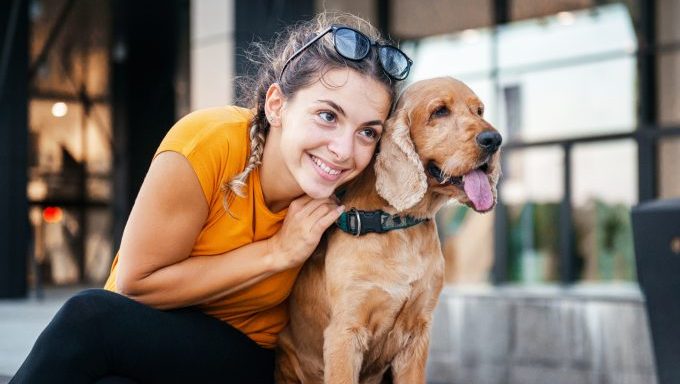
{"points": [[154, 266]]}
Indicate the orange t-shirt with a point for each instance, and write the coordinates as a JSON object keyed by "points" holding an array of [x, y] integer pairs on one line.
{"points": [[216, 144]]}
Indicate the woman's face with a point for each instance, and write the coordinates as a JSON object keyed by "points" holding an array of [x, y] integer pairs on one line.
{"points": [[329, 130]]}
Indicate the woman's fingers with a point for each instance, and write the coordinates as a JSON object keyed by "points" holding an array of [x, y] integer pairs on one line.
{"points": [[313, 205], [303, 226], [320, 210], [328, 219], [299, 204]]}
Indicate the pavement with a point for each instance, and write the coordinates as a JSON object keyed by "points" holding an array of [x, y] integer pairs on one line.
{"points": [[22, 321]]}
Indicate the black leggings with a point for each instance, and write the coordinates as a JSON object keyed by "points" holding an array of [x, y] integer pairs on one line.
{"points": [[103, 337]]}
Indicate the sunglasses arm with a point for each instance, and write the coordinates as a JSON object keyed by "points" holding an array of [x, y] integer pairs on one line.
{"points": [[302, 49]]}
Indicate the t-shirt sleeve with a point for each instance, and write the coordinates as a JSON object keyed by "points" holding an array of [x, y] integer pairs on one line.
{"points": [[205, 140]]}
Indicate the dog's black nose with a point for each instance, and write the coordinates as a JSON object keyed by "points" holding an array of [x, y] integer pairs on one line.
{"points": [[489, 141]]}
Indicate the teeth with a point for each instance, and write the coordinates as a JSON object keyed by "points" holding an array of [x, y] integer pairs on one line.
{"points": [[324, 167]]}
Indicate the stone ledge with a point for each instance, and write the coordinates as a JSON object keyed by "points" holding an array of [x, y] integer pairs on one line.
{"points": [[586, 334]]}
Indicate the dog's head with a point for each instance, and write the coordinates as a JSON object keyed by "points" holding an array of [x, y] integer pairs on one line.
{"points": [[437, 138]]}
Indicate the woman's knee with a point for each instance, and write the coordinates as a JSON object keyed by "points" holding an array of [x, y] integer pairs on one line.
{"points": [[92, 305], [95, 299], [77, 333], [83, 319]]}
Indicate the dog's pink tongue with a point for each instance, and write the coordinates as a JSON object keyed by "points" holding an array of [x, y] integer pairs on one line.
{"points": [[477, 188]]}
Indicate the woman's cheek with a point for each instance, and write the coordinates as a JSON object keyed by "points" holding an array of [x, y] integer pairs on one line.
{"points": [[364, 156]]}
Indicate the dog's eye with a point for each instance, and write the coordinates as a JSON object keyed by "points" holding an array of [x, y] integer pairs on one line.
{"points": [[442, 111], [480, 110]]}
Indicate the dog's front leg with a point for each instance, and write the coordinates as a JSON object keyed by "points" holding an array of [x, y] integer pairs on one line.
{"points": [[343, 352], [409, 364]]}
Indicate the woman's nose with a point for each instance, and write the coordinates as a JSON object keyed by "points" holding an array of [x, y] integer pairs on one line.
{"points": [[342, 146]]}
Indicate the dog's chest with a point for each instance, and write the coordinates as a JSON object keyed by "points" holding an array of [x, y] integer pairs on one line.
{"points": [[389, 284], [390, 339], [400, 318]]}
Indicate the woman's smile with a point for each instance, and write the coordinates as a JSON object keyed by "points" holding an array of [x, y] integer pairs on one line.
{"points": [[326, 170]]}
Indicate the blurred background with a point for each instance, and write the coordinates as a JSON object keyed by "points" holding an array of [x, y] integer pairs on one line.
{"points": [[544, 289]]}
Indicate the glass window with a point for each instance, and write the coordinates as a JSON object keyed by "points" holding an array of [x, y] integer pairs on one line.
{"points": [[558, 68], [604, 182], [98, 244], [456, 54], [555, 68], [585, 34], [60, 138], [576, 100], [59, 241], [467, 244], [79, 56], [56, 231], [566, 75], [71, 154], [532, 190]]}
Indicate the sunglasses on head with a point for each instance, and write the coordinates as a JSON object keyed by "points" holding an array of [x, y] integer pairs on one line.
{"points": [[354, 45]]}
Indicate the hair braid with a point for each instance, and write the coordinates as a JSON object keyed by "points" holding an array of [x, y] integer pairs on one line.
{"points": [[257, 134], [236, 186]]}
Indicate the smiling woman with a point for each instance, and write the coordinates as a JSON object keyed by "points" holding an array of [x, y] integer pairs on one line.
{"points": [[233, 204], [329, 132]]}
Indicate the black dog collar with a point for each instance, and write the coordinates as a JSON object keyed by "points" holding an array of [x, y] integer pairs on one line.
{"points": [[357, 223]]}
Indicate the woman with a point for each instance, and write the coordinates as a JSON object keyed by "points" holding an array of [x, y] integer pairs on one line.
{"points": [[234, 202]]}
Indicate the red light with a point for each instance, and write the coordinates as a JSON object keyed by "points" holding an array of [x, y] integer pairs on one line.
{"points": [[53, 214]]}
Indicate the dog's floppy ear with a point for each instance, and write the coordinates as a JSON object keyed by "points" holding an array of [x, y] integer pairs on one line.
{"points": [[400, 176]]}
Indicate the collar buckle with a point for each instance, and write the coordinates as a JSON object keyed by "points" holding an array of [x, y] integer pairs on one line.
{"points": [[357, 217]]}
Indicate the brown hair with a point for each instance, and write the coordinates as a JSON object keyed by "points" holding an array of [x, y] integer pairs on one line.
{"points": [[306, 69]]}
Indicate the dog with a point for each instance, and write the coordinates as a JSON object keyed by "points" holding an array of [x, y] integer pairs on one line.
{"points": [[363, 305]]}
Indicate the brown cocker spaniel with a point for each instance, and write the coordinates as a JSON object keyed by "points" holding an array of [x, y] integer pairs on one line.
{"points": [[363, 305]]}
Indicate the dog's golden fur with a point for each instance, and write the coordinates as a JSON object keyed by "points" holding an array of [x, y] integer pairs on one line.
{"points": [[364, 305]]}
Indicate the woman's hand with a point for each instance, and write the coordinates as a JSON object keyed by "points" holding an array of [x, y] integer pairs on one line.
{"points": [[305, 222]]}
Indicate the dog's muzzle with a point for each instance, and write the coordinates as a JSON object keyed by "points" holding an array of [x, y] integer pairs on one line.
{"points": [[441, 178]]}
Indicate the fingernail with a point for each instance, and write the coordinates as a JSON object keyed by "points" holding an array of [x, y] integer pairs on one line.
{"points": [[341, 208]]}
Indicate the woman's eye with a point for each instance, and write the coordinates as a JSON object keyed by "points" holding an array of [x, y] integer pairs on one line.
{"points": [[326, 116], [370, 133]]}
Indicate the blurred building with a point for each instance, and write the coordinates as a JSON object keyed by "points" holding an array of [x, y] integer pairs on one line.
{"points": [[585, 93]]}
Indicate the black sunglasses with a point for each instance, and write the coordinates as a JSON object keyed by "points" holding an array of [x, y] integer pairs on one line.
{"points": [[354, 45]]}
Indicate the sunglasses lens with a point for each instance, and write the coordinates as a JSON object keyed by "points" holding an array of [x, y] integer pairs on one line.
{"points": [[394, 62], [351, 44]]}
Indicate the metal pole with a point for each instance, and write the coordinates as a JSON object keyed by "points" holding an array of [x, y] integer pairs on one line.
{"points": [[51, 39], [383, 16], [567, 270], [7, 44], [499, 273], [14, 226], [647, 97]]}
